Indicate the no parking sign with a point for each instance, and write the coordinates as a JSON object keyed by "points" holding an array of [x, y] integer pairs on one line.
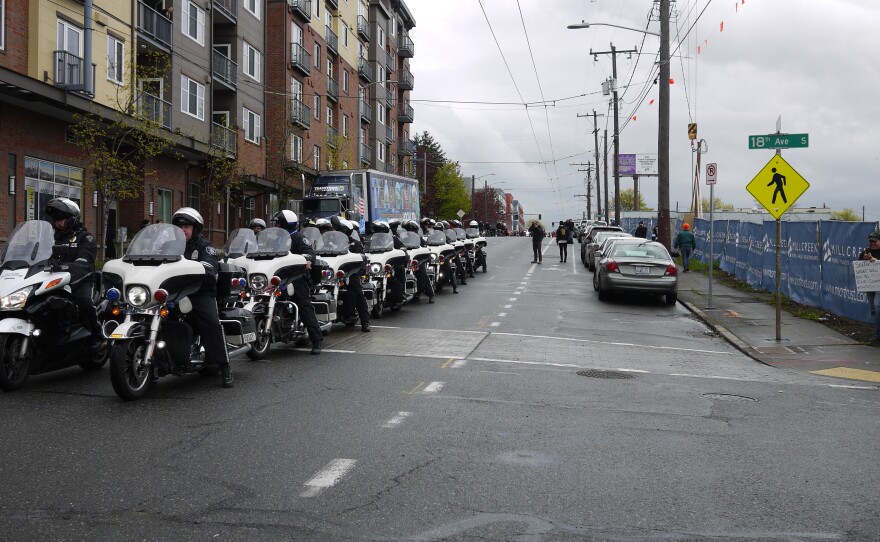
{"points": [[711, 173]]}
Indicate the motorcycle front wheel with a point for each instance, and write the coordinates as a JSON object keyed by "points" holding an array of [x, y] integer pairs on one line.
{"points": [[94, 362], [14, 364], [261, 345], [130, 377]]}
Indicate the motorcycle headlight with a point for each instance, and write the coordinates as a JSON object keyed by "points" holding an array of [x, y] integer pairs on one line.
{"points": [[16, 300], [259, 282], [376, 269], [433, 257], [137, 295]]}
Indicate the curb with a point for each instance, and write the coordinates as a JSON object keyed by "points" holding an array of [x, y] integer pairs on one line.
{"points": [[727, 335]]}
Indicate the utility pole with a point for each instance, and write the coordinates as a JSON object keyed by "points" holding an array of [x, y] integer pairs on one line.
{"points": [[596, 143], [589, 190], [589, 168], [663, 215], [614, 52], [473, 211], [605, 139]]}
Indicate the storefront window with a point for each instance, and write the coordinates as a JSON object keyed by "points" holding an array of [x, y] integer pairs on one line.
{"points": [[45, 180]]}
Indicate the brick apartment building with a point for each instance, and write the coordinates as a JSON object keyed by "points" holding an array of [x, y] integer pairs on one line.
{"points": [[285, 89]]}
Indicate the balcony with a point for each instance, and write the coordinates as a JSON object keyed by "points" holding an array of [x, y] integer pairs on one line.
{"points": [[389, 167], [155, 109], [70, 72], [366, 112], [404, 46], [332, 40], [300, 59], [332, 89], [405, 80], [363, 28], [154, 26], [406, 147], [389, 134], [334, 4], [300, 113], [223, 138], [365, 70], [404, 112], [366, 154], [303, 8], [332, 137], [390, 64], [225, 70], [227, 10]]}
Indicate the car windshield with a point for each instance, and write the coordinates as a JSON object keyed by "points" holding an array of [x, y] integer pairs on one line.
{"points": [[314, 236], [473, 233], [273, 241], [240, 242], [30, 242], [436, 238], [335, 243], [321, 206], [380, 242], [410, 239], [157, 240]]}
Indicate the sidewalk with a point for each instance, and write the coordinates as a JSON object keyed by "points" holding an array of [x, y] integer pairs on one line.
{"points": [[750, 324]]}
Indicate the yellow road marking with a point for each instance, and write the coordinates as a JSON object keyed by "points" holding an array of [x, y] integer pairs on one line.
{"points": [[414, 390], [852, 374], [448, 361]]}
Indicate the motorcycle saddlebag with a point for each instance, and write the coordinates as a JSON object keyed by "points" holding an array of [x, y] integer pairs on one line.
{"points": [[238, 325]]}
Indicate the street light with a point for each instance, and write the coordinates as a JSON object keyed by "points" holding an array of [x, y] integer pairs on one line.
{"points": [[663, 124]]}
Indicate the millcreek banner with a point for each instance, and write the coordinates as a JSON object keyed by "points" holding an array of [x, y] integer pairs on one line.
{"points": [[841, 243]]}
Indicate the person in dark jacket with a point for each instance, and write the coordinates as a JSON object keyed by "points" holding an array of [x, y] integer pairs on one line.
{"points": [[684, 240], [537, 234], [872, 253], [641, 231], [204, 318], [76, 249], [562, 241], [287, 220], [354, 286]]}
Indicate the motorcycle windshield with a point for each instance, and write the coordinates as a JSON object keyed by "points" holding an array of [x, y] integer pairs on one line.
{"points": [[436, 238], [157, 241], [381, 242], [335, 243], [450, 236], [472, 233], [30, 242], [314, 236], [411, 240], [273, 241], [460, 234], [240, 242]]}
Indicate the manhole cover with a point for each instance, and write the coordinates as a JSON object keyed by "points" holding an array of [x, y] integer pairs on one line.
{"points": [[596, 373], [727, 397]]}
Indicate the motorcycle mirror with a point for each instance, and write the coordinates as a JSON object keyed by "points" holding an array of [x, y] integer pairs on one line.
{"points": [[290, 289], [185, 305]]}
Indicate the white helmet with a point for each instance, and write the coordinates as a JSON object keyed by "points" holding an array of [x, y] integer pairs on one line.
{"points": [[473, 224]]}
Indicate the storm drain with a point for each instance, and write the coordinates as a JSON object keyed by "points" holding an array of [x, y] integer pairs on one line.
{"points": [[598, 373], [727, 397]]}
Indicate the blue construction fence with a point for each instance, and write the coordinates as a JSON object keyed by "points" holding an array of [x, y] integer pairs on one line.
{"points": [[816, 258]]}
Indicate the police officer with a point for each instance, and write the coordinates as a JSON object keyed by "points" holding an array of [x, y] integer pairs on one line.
{"points": [[204, 318], [355, 287], [287, 220], [257, 225], [76, 248], [424, 283], [441, 227]]}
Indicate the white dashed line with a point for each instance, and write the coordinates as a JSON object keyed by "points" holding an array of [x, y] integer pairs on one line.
{"points": [[433, 387], [512, 299], [327, 477], [396, 420], [495, 324], [502, 314], [508, 306]]}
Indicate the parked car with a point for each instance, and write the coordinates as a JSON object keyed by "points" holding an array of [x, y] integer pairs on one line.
{"points": [[591, 247], [640, 268], [586, 225], [587, 237]]}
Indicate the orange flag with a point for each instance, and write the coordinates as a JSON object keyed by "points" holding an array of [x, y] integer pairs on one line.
{"points": [[722, 26], [651, 102]]}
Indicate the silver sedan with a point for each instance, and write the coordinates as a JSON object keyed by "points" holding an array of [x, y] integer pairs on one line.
{"points": [[643, 268]]}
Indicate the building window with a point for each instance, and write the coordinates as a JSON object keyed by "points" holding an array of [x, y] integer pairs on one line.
{"points": [[44, 180], [193, 25], [344, 125], [345, 35], [2, 24], [345, 81], [115, 59], [296, 149], [253, 61], [316, 156], [253, 6], [164, 201], [379, 108], [316, 106], [192, 98], [317, 4], [251, 126], [380, 74], [329, 116], [316, 54], [380, 150], [194, 195]]}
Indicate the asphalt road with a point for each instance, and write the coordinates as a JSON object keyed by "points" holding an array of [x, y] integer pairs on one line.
{"points": [[521, 409]]}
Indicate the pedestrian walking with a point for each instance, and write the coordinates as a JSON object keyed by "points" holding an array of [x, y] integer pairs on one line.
{"points": [[872, 253], [536, 231], [562, 240], [641, 231], [685, 242]]}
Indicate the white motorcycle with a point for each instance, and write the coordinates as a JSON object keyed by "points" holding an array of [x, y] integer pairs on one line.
{"points": [[387, 272], [480, 244], [444, 255], [420, 258], [339, 268]]}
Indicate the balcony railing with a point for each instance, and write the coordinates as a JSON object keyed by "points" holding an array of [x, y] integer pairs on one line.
{"points": [[300, 58], [225, 70], [363, 28], [404, 46], [155, 109], [406, 147], [300, 113], [390, 63], [332, 89], [366, 154], [332, 136], [365, 69], [302, 7], [366, 112], [154, 25], [389, 134], [332, 40], [333, 4], [227, 8], [68, 70], [223, 137], [389, 167], [405, 80], [404, 112]]}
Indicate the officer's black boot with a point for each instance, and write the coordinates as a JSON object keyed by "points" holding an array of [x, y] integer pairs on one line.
{"points": [[316, 348], [226, 373]]}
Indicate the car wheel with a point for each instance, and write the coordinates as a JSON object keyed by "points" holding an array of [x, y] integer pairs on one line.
{"points": [[603, 294], [671, 299]]}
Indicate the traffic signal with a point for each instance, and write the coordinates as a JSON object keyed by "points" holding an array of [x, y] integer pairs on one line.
{"points": [[539, 216], [692, 130]]}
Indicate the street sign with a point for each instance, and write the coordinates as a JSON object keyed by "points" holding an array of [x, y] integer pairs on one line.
{"points": [[460, 214], [779, 141], [777, 186], [711, 173]]}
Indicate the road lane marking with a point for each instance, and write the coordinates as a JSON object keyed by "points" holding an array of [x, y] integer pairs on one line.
{"points": [[396, 420], [495, 324], [524, 283], [675, 348], [327, 477], [414, 390], [512, 299], [502, 314], [508, 306], [433, 387]]}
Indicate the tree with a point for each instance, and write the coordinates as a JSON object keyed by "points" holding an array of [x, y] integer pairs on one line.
{"points": [[429, 159], [117, 151], [450, 194], [487, 206], [627, 198], [846, 214], [719, 205]]}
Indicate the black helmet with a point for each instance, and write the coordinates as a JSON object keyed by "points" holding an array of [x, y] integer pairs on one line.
{"points": [[287, 220], [381, 227], [439, 226], [411, 225], [341, 224], [63, 208], [188, 215], [394, 223], [455, 223], [257, 223]]}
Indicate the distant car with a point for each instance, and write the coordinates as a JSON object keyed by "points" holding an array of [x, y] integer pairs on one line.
{"points": [[640, 268], [587, 237], [593, 245]]}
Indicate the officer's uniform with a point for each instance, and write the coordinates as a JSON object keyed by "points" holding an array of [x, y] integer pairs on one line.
{"points": [[77, 250], [355, 287], [302, 288], [204, 318]]}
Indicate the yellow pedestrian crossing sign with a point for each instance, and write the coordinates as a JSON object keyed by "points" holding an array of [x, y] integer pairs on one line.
{"points": [[777, 186]]}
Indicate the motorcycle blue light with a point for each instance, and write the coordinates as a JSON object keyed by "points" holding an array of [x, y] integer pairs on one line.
{"points": [[113, 294]]}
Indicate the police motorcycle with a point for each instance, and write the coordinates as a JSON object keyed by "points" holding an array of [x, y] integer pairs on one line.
{"points": [[271, 271], [460, 258], [387, 271], [443, 256], [40, 327], [151, 286], [340, 267], [469, 257], [323, 292], [419, 257], [480, 243]]}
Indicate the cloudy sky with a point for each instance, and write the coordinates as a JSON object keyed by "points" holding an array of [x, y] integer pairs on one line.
{"points": [[815, 63]]}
